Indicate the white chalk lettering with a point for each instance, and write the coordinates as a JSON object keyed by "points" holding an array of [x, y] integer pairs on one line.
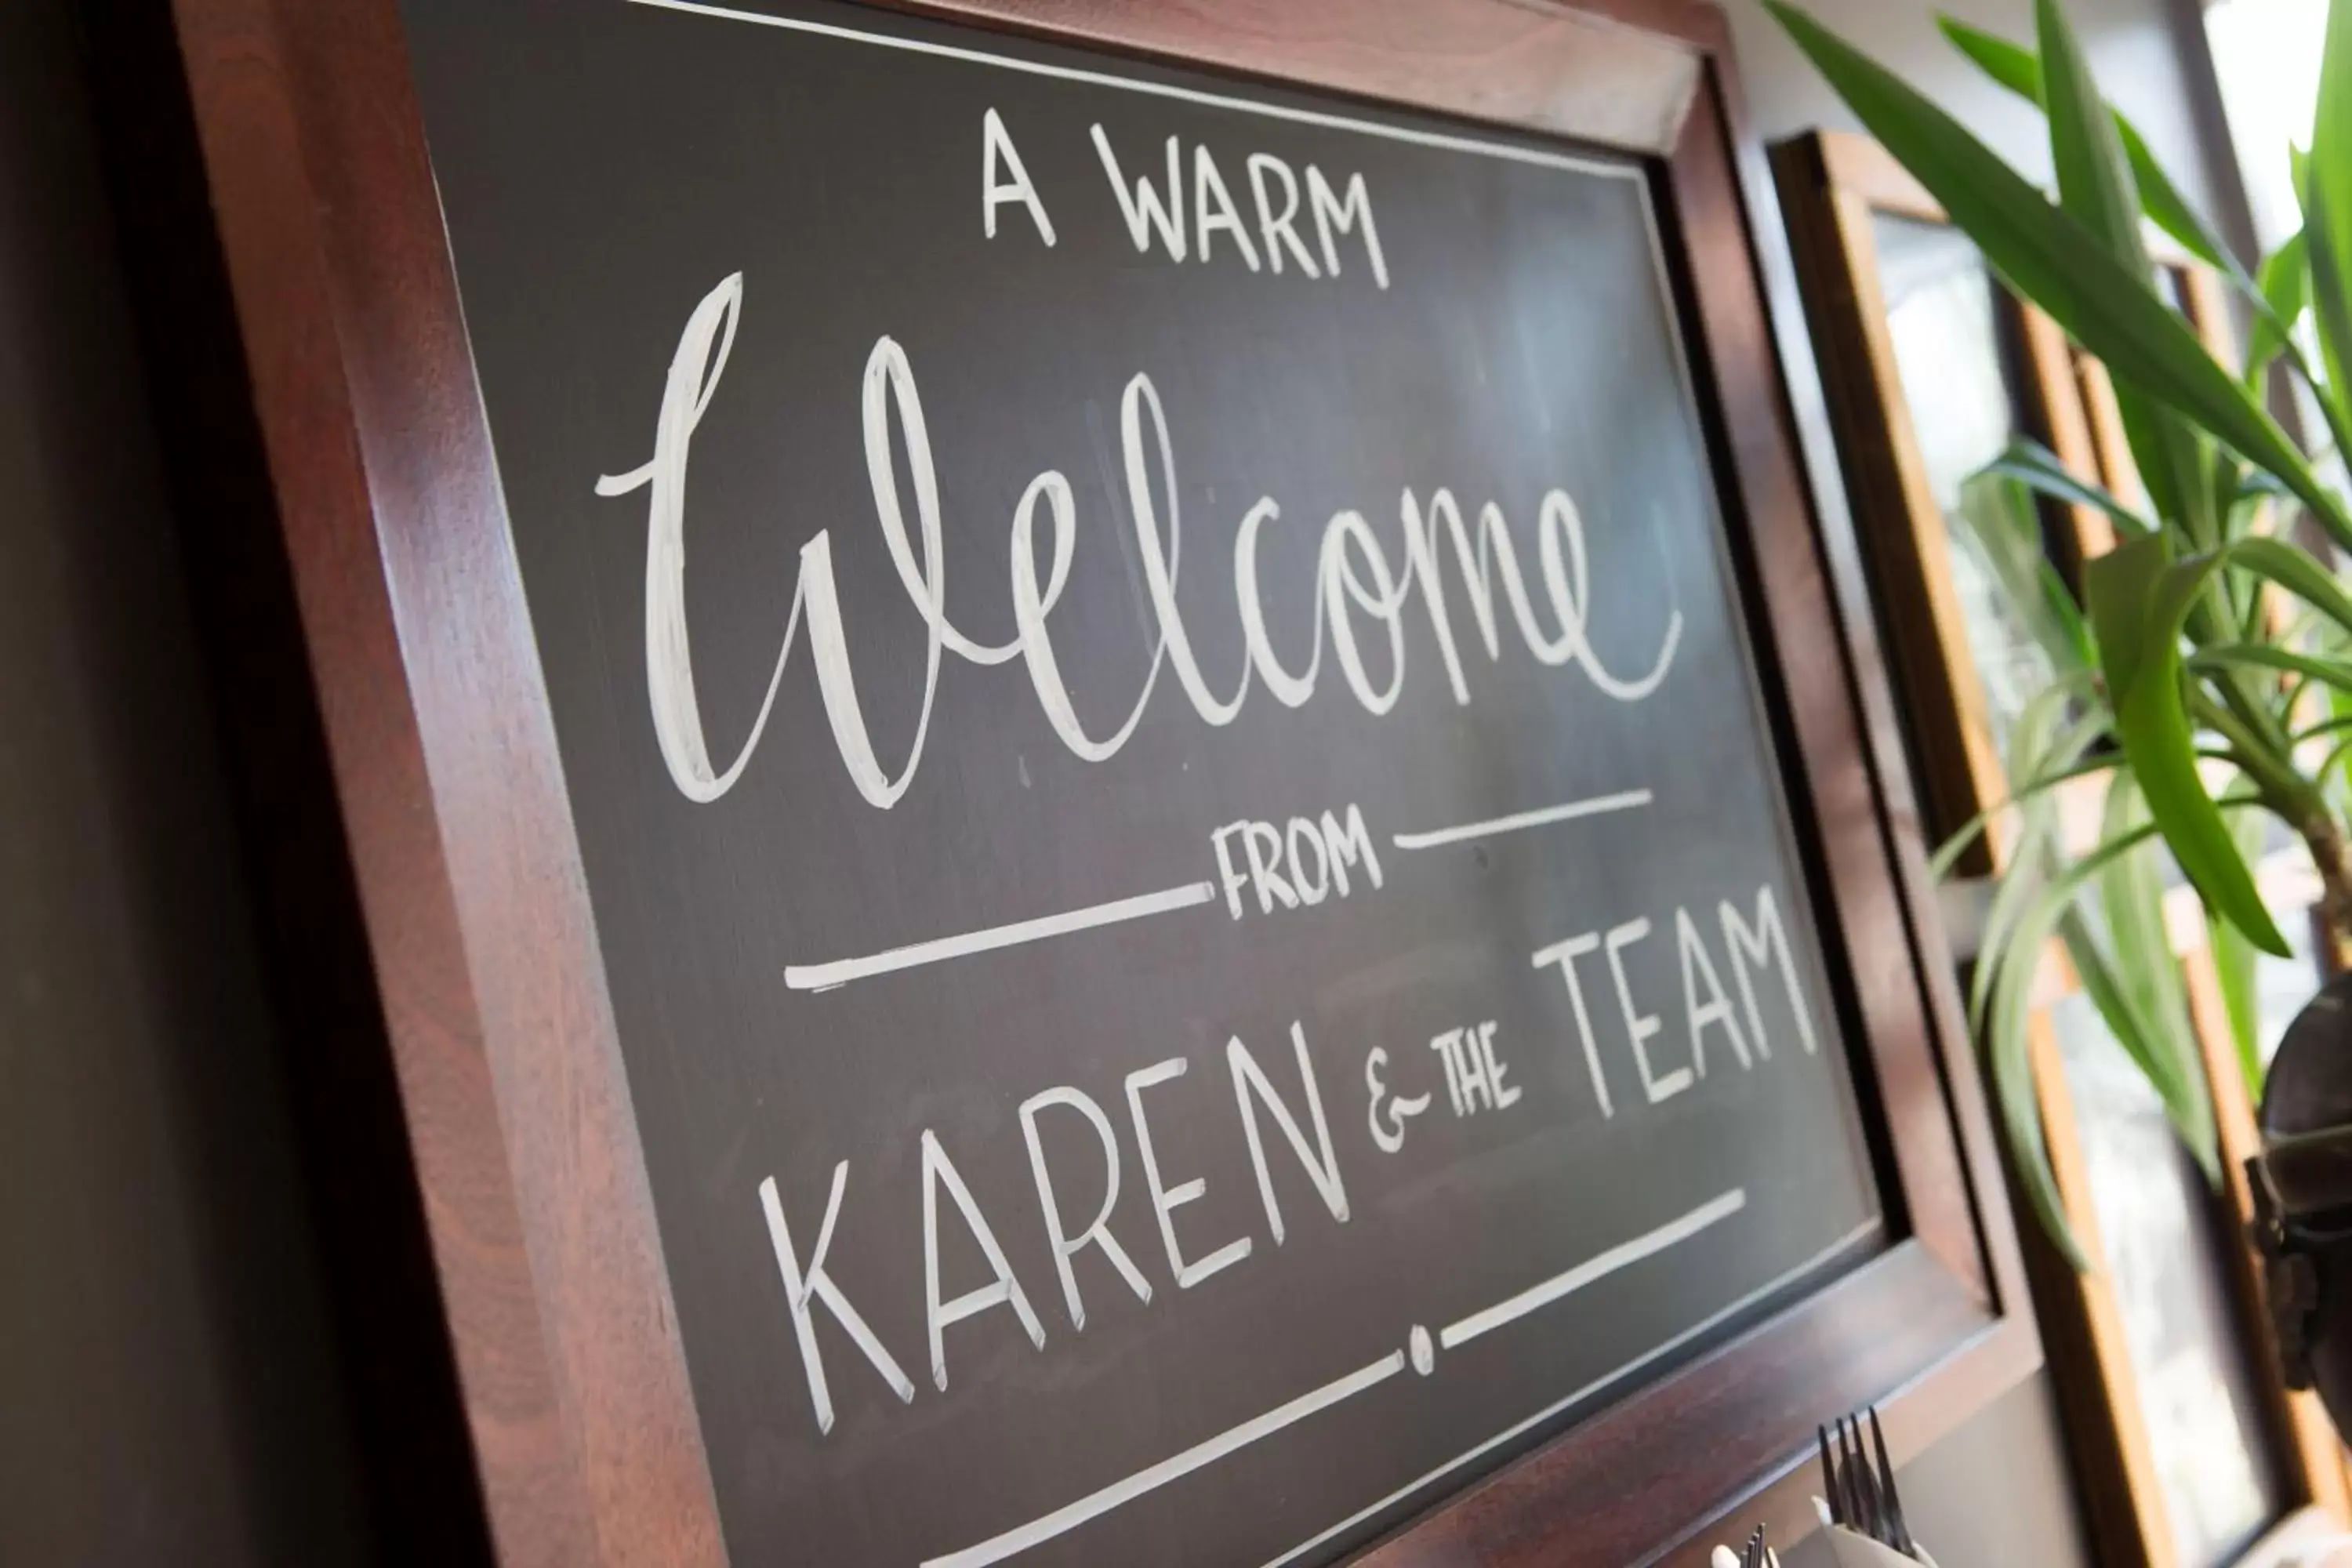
{"points": [[1752, 946], [1350, 845], [1263, 843], [1214, 210], [939, 1170], [1324, 1172], [1064, 1246], [1475, 1074], [1382, 599], [1388, 1131], [1156, 212], [1011, 184], [1568, 582], [1276, 225], [1477, 573], [1030, 606], [1640, 1025], [805, 1284], [1158, 563], [1291, 691], [1717, 1008], [1506, 1095], [1316, 854], [1166, 1200], [1338, 215], [1143, 206], [1233, 878], [694, 375], [1313, 889], [1355, 582], [1447, 1047], [1565, 954]]}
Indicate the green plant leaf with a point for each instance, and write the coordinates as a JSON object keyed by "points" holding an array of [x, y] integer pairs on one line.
{"points": [[2234, 481], [2336, 674], [2227, 476], [1940, 864], [2328, 243], [2148, 1010], [1999, 519], [2254, 484], [2094, 183], [2032, 464], [2002, 1023], [2139, 597], [2236, 963], [2324, 185], [2324, 727], [2105, 988], [2068, 616], [2052, 260], [2152, 1047], [2008, 1058], [2284, 283], [2319, 186], [2042, 742], [2235, 966], [2017, 69], [2294, 569], [2329, 283]]}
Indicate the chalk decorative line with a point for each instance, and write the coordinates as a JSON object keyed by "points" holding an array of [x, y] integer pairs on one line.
{"points": [[1037, 1532], [829, 976], [1600, 1384], [843, 972], [1473, 144], [1568, 1282], [1625, 800], [826, 976]]}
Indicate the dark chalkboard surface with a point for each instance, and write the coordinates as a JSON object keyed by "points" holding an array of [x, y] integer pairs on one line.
{"points": [[1222, 987]]}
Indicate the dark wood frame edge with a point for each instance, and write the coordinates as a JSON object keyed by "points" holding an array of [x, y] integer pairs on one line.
{"points": [[420, 1491], [454, 818]]}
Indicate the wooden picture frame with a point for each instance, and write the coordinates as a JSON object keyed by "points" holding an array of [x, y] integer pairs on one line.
{"points": [[2101, 1378], [1836, 187], [529, 1399]]}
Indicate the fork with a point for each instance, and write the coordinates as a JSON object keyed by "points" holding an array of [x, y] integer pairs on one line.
{"points": [[1862, 1498], [1755, 1554]]}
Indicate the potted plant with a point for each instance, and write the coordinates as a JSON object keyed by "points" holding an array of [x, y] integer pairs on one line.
{"points": [[2206, 669]]}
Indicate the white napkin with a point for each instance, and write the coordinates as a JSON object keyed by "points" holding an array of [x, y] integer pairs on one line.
{"points": [[1847, 1549], [1853, 1551]]}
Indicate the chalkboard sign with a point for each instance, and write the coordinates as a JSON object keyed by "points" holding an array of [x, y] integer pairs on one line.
{"points": [[1103, 813], [1197, 895]]}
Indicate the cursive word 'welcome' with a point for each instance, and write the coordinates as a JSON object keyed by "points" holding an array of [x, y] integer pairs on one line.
{"points": [[1357, 591]]}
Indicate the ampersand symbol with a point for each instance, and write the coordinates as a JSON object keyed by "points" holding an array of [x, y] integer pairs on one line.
{"points": [[1390, 1135]]}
